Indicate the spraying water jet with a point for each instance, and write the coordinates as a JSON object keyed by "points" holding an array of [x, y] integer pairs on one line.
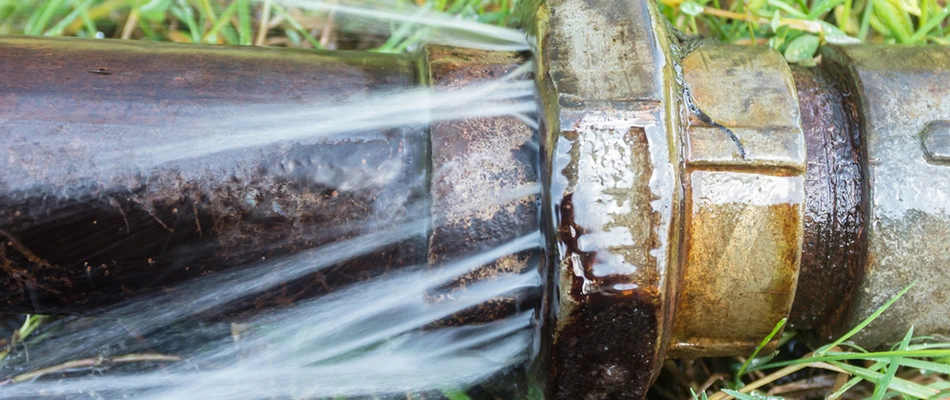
{"points": [[682, 189]]}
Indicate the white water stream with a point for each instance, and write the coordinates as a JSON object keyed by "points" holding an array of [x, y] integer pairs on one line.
{"points": [[374, 338]]}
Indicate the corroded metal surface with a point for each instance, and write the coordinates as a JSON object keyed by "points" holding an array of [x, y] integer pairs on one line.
{"points": [[901, 93], [484, 189], [745, 159], [612, 195], [744, 110], [832, 252], [79, 233]]}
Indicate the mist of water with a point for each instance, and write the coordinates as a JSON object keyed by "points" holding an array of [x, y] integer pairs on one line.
{"points": [[377, 337], [409, 107], [420, 22], [313, 123], [372, 338]]}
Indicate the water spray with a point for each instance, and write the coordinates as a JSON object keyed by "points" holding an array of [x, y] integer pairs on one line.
{"points": [[690, 195]]}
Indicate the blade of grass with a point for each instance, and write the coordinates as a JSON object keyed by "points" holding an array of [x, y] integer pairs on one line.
{"points": [[821, 7], [44, 15], [900, 385], [299, 28], [852, 382], [264, 25], [765, 342], [866, 20], [88, 24], [799, 24], [932, 23], [943, 395], [30, 324], [98, 12], [228, 30], [846, 16], [774, 377], [60, 27], [89, 363], [891, 370], [890, 15], [926, 365], [131, 22], [245, 32], [398, 35], [882, 356], [742, 396], [221, 21], [186, 14], [792, 11], [702, 396], [148, 31]]}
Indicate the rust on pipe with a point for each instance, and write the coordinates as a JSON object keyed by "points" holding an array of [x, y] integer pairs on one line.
{"points": [[611, 204], [835, 204]]}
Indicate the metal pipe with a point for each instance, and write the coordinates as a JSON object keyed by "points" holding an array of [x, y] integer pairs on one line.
{"points": [[692, 194], [102, 200], [697, 193], [85, 225]]}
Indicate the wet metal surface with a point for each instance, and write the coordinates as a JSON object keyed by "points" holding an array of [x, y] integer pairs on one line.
{"points": [[485, 189], [611, 196], [901, 92], [594, 56], [745, 196], [78, 234], [748, 96], [744, 243], [833, 248]]}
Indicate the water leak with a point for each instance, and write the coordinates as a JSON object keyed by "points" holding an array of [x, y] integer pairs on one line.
{"points": [[375, 337], [268, 243], [370, 338]]}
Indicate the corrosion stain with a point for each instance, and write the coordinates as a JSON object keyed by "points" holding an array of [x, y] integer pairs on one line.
{"points": [[743, 237], [568, 232], [834, 215], [606, 347]]}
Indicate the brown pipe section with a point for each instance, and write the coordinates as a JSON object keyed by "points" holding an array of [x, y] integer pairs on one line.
{"points": [[84, 225], [79, 234], [833, 247]]}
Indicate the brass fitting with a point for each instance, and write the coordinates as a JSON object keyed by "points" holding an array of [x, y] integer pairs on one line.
{"points": [[702, 192]]}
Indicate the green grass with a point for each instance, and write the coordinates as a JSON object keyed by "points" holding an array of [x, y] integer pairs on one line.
{"points": [[798, 27], [237, 22], [918, 358]]}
